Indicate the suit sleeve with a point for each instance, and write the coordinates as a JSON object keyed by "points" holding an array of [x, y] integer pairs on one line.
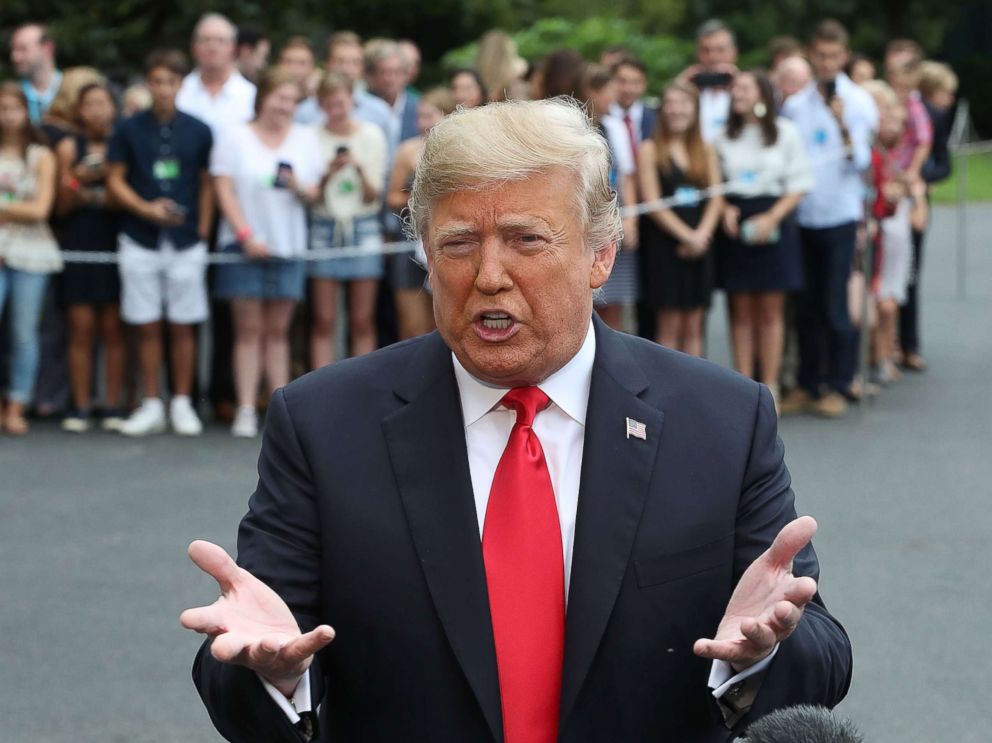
{"points": [[814, 665], [278, 542]]}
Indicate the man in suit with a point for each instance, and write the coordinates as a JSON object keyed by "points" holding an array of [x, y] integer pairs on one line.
{"points": [[631, 109], [387, 71], [525, 526], [637, 117]]}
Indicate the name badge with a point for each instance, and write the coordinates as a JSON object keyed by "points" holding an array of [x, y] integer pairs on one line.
{"points": [[165, 169], [820, 137], [685, 195]]}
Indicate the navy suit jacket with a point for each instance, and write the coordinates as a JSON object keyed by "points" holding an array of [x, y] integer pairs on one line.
{"points": [[364, 518], [408, 126], [648, 120]]}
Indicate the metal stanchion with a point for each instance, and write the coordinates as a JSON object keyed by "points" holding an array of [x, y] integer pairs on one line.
{"points": [[867, 388], [961, 228]]}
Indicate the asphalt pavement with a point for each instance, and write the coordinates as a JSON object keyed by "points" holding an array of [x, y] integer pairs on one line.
{"points": [[93, 531]]}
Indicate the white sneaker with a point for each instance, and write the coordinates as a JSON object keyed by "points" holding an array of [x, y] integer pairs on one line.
{"points": [[149, 418], [184, 419], [245, 424]]}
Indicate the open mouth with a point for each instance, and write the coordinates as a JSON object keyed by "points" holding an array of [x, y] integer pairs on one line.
{"points": [[495, 325], [495, 320]]}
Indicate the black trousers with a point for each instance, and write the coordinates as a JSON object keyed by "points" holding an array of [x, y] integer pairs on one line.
{"points": [[828, 339], [909, 313]]}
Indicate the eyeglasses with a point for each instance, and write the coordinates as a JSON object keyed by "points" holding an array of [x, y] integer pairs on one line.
{"points": [[218, 40]]}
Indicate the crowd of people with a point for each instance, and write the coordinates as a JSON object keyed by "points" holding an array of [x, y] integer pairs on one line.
{"points": [[776, 187]]}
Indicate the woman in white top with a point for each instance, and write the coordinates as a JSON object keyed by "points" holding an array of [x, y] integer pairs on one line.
{"points": [[265, 173], [346, 215], [764, 162], [28, 251]]}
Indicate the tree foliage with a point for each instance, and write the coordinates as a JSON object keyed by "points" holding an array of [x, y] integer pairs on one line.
{"points": [[115, 35], [663, 55]]}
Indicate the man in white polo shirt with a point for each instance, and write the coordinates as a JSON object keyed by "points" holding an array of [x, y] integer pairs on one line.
{"points": [[215, 92]]}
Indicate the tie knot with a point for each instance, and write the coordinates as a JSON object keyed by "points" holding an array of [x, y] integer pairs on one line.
{"points": [[527, 402]]}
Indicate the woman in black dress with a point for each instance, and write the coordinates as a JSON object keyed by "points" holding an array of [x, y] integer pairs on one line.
{"points": [[677, 265], [764, 161], [91, 291]]}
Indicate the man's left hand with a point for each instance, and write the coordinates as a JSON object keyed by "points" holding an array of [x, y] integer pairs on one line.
{"points": [[767, 604]]}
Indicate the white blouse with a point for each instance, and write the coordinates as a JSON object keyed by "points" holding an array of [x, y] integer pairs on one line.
{"points": [[752, 169]]}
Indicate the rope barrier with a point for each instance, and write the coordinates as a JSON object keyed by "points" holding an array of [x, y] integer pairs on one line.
{"points": [[685, 197]]}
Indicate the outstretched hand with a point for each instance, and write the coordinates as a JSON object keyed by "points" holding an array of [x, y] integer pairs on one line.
{"points": [[250, 624], [767, 604]]}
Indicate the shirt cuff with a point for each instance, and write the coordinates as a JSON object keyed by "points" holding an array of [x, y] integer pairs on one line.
{"points": [[722, 676], [300, 701]]}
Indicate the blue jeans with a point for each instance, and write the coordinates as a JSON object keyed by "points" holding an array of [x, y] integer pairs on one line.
{"points": [[828, 340], [27, 296]]}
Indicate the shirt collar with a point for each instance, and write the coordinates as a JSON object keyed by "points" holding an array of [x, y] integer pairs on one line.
{"points": [[226, 90], [398, 104], [568, 387]]}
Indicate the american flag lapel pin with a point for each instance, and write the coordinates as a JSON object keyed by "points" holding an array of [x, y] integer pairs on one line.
{"points": [[637, 429]]}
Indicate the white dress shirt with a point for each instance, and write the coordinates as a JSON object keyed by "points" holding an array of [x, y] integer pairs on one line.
{"points": [[838, 193], [714, 110], [561, 430], [636, 114]]}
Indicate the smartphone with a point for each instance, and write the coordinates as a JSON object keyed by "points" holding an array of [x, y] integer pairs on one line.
{"points": [[93, 161], [703, 80], [283, 171], [749, 236], [178, 211], [829, 89]]}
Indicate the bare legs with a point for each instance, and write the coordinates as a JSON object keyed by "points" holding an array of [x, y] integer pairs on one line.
{"points": [[261, 340], [85, 322], [758, 330], [682, 330], [361, 318], [414, 312], [182, 361]]}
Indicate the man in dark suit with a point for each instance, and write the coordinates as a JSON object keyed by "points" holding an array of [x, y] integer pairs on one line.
{"points": [[387, 71], [638, 117], [520, 526], [632, 109]]}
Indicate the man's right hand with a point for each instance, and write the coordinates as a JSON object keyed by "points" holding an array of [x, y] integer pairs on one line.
{"points": [[162, 212], [250, 624]]}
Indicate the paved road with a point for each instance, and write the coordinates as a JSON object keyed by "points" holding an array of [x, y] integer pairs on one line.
{"points": [[93, 531]]}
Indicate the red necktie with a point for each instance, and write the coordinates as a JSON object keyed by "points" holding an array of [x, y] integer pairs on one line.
{"points": [[634, 141], [525, 574]]}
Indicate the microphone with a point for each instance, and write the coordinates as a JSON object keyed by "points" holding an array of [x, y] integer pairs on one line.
{"points": [[801, 724]]}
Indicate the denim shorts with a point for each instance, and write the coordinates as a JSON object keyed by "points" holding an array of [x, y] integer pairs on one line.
{"points": [[367, 234], [273, 278]]}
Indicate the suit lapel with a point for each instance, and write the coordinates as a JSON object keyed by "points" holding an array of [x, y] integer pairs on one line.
{"points": [[430, 462], [616, 471]]}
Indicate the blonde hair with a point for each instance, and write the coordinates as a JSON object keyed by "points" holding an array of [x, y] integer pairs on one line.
{"points": [[882, 92], [498, 64], [937, 76], [478, 148], [332, 82], [440, 98], [66, 100]]}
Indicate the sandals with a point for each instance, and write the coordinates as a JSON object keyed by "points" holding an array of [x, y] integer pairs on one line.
{"points": [[15, 425], [914, 362]]}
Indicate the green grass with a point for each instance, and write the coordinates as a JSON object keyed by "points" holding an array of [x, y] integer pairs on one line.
{"points": [[979, 180]]}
